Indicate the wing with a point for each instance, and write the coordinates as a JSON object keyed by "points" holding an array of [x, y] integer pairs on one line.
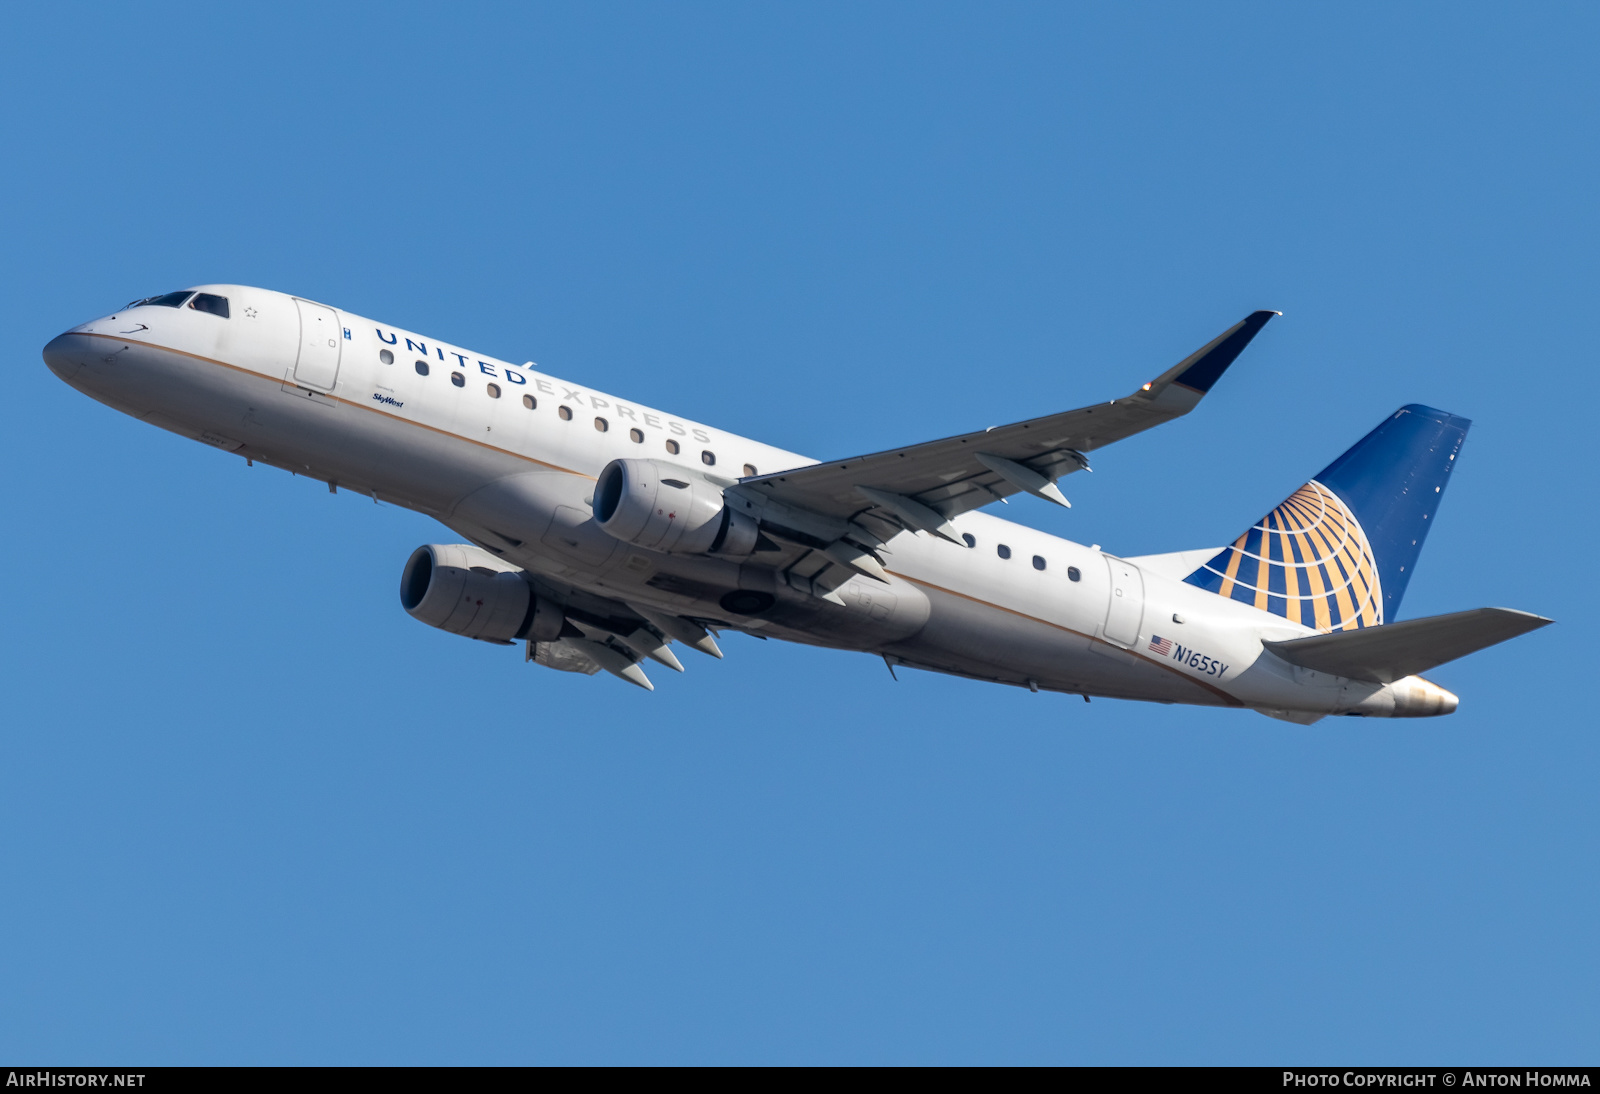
{"points": [[921, 486], [599, 632]]}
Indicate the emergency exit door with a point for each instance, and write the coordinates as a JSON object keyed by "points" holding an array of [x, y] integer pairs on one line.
{"points": [[1125, 609], [321, 342]]}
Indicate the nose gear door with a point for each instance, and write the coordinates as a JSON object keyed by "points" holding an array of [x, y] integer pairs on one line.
{"points": [[1125, 605], [317, 365]]}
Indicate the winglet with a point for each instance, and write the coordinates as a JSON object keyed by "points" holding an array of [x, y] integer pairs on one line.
{"points": [[1205, 366]]}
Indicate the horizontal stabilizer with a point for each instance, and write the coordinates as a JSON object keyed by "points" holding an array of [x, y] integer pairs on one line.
{"points": [[1394, 651]]}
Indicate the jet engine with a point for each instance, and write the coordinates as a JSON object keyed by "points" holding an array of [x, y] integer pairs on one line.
{"points": [[670, 509], [467, 591]]}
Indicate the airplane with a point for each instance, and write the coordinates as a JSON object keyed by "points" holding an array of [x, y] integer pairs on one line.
{"points": [[600, 531]]}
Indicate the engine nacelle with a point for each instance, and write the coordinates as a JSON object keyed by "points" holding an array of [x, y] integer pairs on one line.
{"points": [[467, 591], [666, 508]]}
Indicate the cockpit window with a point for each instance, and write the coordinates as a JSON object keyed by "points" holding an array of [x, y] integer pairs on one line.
{"points": [[166, 300], [216, 305]]}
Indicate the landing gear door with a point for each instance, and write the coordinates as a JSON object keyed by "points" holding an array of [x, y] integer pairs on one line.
{"points": [[321, 342], [1125, 605]]}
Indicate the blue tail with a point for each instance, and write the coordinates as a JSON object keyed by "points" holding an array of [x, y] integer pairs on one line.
{"points": [[1338, 553]]}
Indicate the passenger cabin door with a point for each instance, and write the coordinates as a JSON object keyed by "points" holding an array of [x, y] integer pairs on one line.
{"points": [[317, 365], [1125, 605]]}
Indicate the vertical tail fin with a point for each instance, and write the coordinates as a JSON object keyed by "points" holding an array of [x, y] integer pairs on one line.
{"points": [[1338, 553]]}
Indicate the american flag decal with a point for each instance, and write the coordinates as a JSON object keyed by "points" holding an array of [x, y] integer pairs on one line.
{"points": [[1163, 646]]}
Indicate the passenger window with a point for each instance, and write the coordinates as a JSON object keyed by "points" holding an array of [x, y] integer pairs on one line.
{"points": [[166, 300], [749, 470], [457, 379], [1073, 573], [601, 425], [210, 302], [1003, 551], [672, 446], [971, 540], [530, 402], [565, 413], [386, 357], [1038, 562], [636, 436], [709, 458], [422, 368], [493, 390]]}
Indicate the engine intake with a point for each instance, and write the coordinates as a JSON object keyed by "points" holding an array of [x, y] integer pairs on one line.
{"points": [[467, 591], [670, 509]]}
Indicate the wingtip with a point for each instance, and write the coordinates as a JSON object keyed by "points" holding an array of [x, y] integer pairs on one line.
{"points": [[1201, 371], [1533, 620]]}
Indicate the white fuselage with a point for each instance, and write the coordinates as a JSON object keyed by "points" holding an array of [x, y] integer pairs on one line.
{"points": [[518, 479]]}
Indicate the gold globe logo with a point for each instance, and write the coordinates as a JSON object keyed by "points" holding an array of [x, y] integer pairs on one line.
{"points": [[1309, 561]]}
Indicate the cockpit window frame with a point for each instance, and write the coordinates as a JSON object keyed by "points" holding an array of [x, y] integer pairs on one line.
{"points": [[165, 300], [210, 303]]}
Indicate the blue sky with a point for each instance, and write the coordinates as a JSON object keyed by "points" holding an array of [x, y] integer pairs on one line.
{"points": [[254, 813]]}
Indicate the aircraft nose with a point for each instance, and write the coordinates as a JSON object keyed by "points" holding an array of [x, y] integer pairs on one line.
{"points": [[63, 354]]}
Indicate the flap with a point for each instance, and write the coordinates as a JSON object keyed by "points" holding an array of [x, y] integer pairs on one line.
{"points": [[1397, 650]]}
